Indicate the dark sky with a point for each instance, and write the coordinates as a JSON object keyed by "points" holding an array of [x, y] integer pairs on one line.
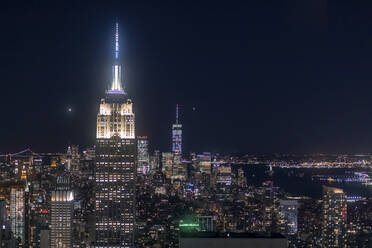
{"points": [[263, 76]]}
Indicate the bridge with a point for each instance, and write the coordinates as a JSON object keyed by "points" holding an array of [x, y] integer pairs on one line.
{"points": [[24, 153]]}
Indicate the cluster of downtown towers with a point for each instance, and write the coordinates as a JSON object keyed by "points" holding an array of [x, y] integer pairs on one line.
{"points": [[116, 163]]}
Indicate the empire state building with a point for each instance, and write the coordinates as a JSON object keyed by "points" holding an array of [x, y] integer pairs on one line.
{"points": [[115, 164]]}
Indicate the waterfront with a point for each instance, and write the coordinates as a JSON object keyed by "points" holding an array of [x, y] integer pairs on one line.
{"points": [[304, 182]]}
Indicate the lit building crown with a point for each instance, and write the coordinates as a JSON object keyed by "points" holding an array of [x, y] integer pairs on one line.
{"points": [[115, 116]]}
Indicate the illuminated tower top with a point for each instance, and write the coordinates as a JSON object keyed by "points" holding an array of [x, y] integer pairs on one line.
{"points": [[117, 41], [177, 135], [116, 87], [115, 116], [177, 114]]}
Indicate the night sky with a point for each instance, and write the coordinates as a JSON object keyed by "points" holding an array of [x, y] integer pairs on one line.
{"points": [[262, 76]]}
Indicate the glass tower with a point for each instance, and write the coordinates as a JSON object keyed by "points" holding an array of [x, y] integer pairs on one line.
{"points": [[177, 136], [115, 164]]}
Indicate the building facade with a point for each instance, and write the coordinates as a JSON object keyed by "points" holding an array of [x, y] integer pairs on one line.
{"points": [[17, 213], [204, 162], [61, 214], [155, 161], [167, 164], [289, 214], [334, 217], [143, 164], [115, 174]]}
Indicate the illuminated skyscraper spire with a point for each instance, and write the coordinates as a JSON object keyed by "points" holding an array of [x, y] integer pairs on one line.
{"points": [[117, 41], [116, 68], [177, 114]]}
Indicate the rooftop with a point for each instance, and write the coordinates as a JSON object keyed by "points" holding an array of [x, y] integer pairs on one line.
{"points": [[231, 235]]}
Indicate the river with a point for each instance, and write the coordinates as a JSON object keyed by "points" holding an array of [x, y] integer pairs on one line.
{"points": [[305, 181]]}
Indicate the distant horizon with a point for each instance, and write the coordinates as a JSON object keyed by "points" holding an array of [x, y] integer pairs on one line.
{"points": [[81, 149]]}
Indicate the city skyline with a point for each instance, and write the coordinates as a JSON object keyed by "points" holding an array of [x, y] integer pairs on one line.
{"points": [[175, 125], [278, 78]]}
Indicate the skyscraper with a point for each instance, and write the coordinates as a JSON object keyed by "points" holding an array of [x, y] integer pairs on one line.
{"points": [[155, 161], [17, 213], [62, 213], [223, 176], [179, 170], [204, 162], [289, 213], [334, 217], [143, 164], [241, 179], [177, 136], [167, 164], [115, 164], [73, 158]]}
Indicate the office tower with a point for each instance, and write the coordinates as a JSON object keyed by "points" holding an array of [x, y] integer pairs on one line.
{"points": [[289, 213], [179, 171], [167, 164], [5, 232], [204, 162], [17, 213], [37, 212], [3, 214], [115, 173], [73, 158], [24, 173], [143, 164], [268, 208], [177, 136], [207, 223], [38, 165], [221, 180], [155, 161], [334, 217], [27, 214], [241, 179], [87, 165], [223, 176], [61, 211], [89, 153]]}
